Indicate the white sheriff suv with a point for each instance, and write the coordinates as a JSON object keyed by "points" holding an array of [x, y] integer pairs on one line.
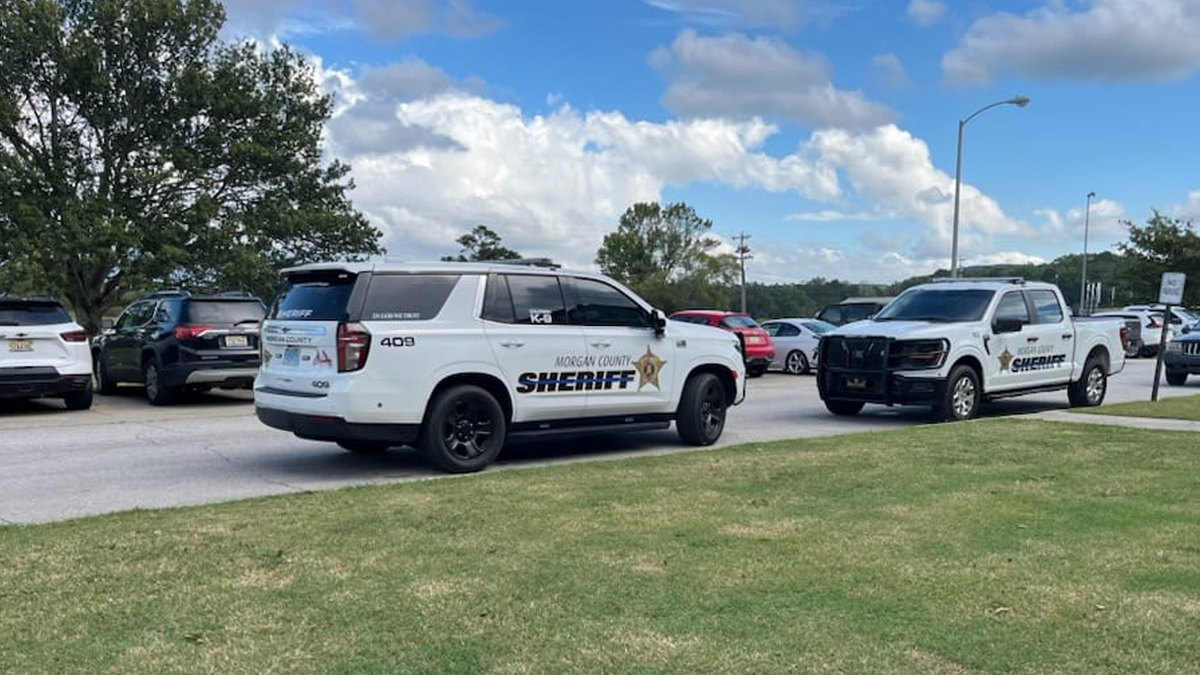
{"points": [[456, 357], [954, 343]]}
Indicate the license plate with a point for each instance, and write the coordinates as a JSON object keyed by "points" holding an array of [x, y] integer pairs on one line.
{"points": [[20, 345], [856, 382], [236, 341], [291, 356]]}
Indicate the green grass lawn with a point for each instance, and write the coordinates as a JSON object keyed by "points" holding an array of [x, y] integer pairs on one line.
{"points": [[1179, 408], [997, 546]]}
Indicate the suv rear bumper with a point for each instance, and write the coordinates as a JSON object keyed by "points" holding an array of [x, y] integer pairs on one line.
{"points": [[36, 382], [332, 428], [220, 375]]}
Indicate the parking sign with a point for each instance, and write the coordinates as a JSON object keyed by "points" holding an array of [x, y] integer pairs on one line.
{"points": [[1171, 290]]}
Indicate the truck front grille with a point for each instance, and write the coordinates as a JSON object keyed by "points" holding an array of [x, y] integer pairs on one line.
{"points": [[856, 353]]}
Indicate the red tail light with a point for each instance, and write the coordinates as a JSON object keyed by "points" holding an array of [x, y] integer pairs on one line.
{"points": [[353, 344], [1155, 324], [74, 336], [183, 332], [1124, 337]]}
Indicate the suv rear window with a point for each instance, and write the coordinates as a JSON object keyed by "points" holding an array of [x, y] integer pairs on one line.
{"points": [[224, 311], [407, 297], [25, 313], [315, 297], [735, 321]]}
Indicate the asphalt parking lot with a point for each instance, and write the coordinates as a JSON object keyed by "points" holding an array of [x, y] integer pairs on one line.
{"points": [[125, 454]]}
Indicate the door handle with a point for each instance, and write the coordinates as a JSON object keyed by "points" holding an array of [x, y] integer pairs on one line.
{"points": [[1067, 336], [1032, 339], [602, 344], [512, 343]]}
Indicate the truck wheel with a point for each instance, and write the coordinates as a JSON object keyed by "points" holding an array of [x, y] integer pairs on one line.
{"points": [[82, 400], [1090, 388], [1177, 377], [157, 392], [364, 447], [796, 362], [464, 431], [104, 381], [961, 401], [701, 415], [844, 408]]}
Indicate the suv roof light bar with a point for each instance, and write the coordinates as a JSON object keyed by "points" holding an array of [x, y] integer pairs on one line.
{"points": [[532, 262], [1004, 280]]}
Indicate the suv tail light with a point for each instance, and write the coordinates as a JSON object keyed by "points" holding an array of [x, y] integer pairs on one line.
{"points": [[74, 336], [353, 344], [1124, 337], [185, 332]]}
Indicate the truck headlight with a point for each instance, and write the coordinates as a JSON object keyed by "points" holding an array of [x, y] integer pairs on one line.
{"points": [[1174, 346], [918, 354]]}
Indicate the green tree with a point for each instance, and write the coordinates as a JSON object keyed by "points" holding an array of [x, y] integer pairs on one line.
{"points": [[667, 255], [136, 150], [1163, 245], [481, 243]]}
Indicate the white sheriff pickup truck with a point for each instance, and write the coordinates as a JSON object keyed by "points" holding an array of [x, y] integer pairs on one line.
{"points": [[952, 344]]}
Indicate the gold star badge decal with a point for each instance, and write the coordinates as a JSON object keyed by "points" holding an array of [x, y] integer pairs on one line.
{"points": [[648, 368], [1006, 358]]}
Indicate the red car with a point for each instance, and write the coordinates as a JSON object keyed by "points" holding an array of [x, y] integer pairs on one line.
{"points": [[757, 348]]}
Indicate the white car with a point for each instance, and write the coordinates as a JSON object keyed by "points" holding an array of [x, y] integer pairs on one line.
{"points": [[1145, 343], [796, 343], [456, 357], [43, 353]]}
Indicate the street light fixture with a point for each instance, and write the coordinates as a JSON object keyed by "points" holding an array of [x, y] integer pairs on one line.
{"points": [[1087, 211], [1020, 102]]}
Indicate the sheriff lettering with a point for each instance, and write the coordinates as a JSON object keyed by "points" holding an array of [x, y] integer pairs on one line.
{"points": [[1021, 365], [582, 380]]}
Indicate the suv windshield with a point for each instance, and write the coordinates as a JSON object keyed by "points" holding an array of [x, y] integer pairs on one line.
{"points": [[943, 305], [26, 313], [224, 311]]}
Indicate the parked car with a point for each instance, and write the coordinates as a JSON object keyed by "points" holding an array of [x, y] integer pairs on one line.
{"points": [[852, 309], [796, 343], [757, 348], [172, 341], [1182, 357], [44, 353], [1145, 342], [455, 358], [1180, 316]]}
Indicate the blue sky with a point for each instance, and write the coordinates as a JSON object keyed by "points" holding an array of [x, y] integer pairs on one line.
{"points": [[825, 130]]}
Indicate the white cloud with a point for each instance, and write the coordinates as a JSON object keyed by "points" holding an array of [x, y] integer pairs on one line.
{"points": [[892, 70], [779, 14], [1105, 41], [926, 12], [550, 185], [831, 215], [1189, 210], [735, 75], [890, 168]]}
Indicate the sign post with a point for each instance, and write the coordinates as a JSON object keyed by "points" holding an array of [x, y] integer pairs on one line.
{"points": [[1170, 292]]}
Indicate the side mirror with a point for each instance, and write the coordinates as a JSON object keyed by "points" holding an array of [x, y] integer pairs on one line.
{"points": [[658, 321], [1006, 325]]}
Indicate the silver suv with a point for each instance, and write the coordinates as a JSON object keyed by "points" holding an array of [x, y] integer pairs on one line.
{"points": [[457, 357]]}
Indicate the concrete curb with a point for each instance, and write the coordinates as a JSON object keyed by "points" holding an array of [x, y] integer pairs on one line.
{"points": [[1119, 421]]}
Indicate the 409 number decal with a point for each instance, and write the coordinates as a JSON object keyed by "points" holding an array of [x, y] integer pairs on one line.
{"points": [[398, 342]]}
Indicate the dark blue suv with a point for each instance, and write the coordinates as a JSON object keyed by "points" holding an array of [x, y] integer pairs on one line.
{"points": [[173, 341]]}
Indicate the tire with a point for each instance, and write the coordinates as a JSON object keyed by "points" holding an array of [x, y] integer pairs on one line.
{"points": [[464, 430], [796, 363], [1089, 390], [1133, 350], [104, 382], [961, 400], [157, 393], [700, 418], [844, 408], [79, 400], [364, 447], [1177, 378]]}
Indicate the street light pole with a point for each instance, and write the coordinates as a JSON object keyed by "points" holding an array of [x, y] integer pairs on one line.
{"points": [[1087, 211], [1020, 102]]}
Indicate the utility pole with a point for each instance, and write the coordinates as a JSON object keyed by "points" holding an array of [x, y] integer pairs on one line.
{"points": [[743, 254]]}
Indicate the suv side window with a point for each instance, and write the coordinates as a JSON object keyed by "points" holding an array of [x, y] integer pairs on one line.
{"points": [[407, 297], [536, 299], [599, 304], [1012, 306], [497, 301], [1046, 305], [137, 314]]}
